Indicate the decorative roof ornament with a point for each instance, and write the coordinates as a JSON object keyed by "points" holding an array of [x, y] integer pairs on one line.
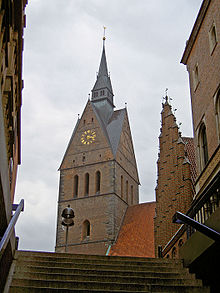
{"points": [[104, 38]]}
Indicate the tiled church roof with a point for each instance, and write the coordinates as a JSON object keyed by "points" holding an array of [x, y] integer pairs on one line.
{"points": [[136, 236]]}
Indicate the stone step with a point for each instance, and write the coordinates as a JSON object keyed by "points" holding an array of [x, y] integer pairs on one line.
{"points": [[79, 284], [92, 257], [75, 271], [52, 272], [106, 285], [113, 279], [178, 289], [99, 260], [18, 289], [105, 265], [164, 289]]}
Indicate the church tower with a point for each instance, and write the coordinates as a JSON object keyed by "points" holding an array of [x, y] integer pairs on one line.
{"points": [[98, 174]]}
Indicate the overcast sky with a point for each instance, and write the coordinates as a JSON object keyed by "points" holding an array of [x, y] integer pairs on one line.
{"points": [[145, 40]]}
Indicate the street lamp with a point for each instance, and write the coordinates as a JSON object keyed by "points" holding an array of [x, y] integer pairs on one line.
{"points": [[67, 220]]}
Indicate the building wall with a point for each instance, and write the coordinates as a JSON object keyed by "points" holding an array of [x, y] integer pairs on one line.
{"points": [[203, 93], [104, 212], [12, 22]]}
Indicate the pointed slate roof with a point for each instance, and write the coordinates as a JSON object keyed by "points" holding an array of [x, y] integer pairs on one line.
{"points": [[103, 79], [113, 128]]}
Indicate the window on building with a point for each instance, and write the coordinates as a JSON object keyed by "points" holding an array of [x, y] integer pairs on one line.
{"points": [[75, 186], [174, 252], [195, 77], [126, 190], [95, 94], [86, 193], [97, 182], [212, 38], [102, 93], [180, 243], [217, 113], [203, 146], [122, 183], [86, 229], [132, 195]]}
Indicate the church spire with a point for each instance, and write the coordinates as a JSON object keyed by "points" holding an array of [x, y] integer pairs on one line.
{"points": [[102, 89]]}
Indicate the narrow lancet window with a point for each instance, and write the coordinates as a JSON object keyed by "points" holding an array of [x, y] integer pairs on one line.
{"points": [[76, 186], [86, 229], [97, 182], [86, 193], [126, 190], [122, 191]]}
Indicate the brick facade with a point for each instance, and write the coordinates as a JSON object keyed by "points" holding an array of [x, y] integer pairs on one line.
{"points": [[203, 96], [174, 191]]}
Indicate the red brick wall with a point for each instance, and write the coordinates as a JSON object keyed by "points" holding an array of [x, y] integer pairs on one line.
{"points": [[174, 187], [202, 98]]}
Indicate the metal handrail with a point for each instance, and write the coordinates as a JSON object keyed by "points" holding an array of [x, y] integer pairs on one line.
{"points": [[180, 218], [9, 230]]}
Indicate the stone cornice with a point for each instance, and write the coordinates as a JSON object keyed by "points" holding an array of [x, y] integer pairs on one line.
{"points": [[195, 31]]}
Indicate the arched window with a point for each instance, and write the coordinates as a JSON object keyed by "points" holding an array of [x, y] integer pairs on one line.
{"points": [[75, 186], [86, 229], [217, 113], [180, 243], [122, 191], [174, 252], [203, 146], [126, 190], [132, 195], [97, 182], [86, 189]]}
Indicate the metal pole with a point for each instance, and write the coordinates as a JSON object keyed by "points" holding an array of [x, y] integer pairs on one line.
{"points": [[67, 228]]}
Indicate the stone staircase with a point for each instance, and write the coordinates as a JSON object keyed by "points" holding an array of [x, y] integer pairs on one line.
{"points": [[62, 272]]}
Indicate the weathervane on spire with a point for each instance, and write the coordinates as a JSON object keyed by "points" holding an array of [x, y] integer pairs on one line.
{"points": [[166, 96], [104, 27]]}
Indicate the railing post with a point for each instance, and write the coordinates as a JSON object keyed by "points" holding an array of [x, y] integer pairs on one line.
{"points": [[9, 230]]}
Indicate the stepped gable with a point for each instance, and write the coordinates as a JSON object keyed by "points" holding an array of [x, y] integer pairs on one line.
{"points": [[190, 149], [136, 235]]}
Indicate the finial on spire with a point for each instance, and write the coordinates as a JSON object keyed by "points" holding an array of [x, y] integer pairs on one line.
{"points": [[126, 105], [166, 96], [104, 27]]}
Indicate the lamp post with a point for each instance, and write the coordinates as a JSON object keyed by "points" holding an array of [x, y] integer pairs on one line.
{"points": [[67, 220]]}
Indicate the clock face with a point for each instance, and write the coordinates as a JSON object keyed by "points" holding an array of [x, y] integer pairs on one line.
{"points": [[88, 137]]}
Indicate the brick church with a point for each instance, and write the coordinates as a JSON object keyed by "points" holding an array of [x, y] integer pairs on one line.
{"points": [[99, 176]]}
